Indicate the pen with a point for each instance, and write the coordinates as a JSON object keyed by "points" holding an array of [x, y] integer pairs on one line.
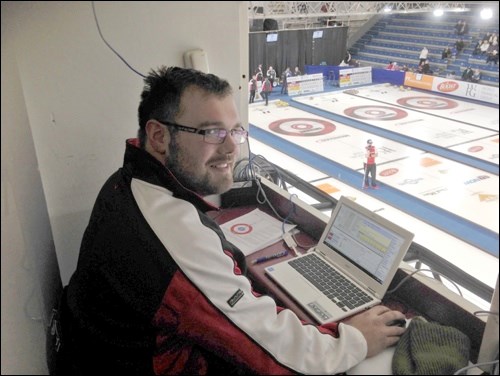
{"points": [[270, 257]]}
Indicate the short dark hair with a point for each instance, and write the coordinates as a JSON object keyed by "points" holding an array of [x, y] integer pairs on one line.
{"points": [[163, 88]]}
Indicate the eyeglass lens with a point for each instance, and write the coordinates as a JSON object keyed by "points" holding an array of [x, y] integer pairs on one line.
{"points": [[217, 136]]}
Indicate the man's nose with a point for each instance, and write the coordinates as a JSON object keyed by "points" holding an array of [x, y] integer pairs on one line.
{"points": [[229, 143]]}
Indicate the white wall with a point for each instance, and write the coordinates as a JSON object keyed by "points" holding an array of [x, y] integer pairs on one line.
{"points": [[68, 104]]}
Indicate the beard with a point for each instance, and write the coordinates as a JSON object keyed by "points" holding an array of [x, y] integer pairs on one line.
{"points": [[195, 180]]}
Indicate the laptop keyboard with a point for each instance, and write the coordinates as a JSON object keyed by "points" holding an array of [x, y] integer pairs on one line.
{"points": [[330, 282]]}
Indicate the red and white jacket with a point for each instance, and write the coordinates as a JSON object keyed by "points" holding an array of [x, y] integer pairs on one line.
{"points": [[371, 154], [158, 290]]}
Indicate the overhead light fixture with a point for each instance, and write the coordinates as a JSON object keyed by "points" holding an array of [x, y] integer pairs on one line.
{"points": [[387, 9], [486, 14], [438, 12]]}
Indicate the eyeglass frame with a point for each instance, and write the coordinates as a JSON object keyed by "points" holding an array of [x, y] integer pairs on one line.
{"points": [[204, 132]]}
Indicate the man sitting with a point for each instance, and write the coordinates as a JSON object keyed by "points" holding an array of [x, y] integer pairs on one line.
{"points": [[467, 74], [492, 58], [476, 76], [426, 68]]}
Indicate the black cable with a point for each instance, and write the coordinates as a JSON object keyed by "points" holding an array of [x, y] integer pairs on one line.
{"points": [[418, 271], [267, 169], [107, 44]]}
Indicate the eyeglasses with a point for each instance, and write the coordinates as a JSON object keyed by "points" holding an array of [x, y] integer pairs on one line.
{"points": [[212, 136]]}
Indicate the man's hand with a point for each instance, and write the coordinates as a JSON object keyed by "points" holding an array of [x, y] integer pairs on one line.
{"points": [[373, 324]]}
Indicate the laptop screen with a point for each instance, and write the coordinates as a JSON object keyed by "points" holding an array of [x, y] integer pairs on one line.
{"points": [[363, 241]]}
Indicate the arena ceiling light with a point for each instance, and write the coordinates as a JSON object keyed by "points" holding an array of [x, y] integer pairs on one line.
{"points": [[438, 12], [486, 13]]}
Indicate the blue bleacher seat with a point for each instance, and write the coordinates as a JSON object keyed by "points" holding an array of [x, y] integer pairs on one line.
{"points": [[400, 37]]}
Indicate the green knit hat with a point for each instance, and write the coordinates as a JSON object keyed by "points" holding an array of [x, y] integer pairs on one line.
{"points": [[430, 349]]}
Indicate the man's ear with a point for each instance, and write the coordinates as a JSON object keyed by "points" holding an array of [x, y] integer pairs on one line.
{"points": [[157, 139]]}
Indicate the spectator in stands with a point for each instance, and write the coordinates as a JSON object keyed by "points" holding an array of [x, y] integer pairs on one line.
{"points": [[493, 46], [284, 80], [493, 38], [459, 45], [462, 27], [485, 45], [451, 75], [426, 68], [477, 48], [348, 57], [467, 74], [487, 36], [271, 74], [492, 57], [465, 28], [297, 72], [446, 54], [423, 55], [349, 61], [404, 68], [476, 76]]}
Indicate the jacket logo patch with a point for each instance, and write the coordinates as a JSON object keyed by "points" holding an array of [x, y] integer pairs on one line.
{"points": [[235, 298]]}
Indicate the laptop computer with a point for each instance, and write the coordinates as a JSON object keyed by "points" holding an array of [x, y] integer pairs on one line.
{"points": [[360, 245]]}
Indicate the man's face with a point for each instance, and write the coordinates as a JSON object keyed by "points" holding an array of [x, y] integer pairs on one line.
{"points": [[203, 167]]}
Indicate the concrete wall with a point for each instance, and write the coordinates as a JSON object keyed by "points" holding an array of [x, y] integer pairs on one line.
{"points": [[68, 104]]}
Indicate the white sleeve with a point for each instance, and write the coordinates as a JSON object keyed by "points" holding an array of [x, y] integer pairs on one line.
{"points": [[198, 251]]}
